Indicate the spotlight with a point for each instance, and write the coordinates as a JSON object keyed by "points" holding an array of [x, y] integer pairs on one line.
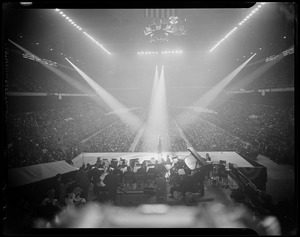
{"points": [[67, 18], [259, 6], [61, 13], [56, 9], [70, 20], [79, 28]]}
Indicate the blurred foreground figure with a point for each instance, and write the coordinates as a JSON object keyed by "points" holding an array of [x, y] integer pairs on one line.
{"points": [[161, 216]]}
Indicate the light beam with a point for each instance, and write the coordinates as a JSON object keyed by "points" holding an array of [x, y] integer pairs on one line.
{"points": [[126, 116], [157, 123], [205, 100]]}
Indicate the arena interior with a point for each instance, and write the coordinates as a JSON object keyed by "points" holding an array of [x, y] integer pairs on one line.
{"points": [[142, 117]]}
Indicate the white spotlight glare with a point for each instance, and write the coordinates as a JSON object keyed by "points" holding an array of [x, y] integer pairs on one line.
{"points": [[263, 3], [259, 6], [67, 18], [56, 9], [256, 9], [61, 13], [79, 28], [70, 20]]}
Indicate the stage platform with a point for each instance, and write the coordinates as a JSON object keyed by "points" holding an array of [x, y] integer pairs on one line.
{"points": [[228, 156]]}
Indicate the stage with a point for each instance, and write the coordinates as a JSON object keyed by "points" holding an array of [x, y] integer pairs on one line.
{"points": [[228, 156]]}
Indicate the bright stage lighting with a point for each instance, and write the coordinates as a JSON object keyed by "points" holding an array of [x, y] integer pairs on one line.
{"points": [[205, 100], [126, 116], [79, 86], [157, 122], [258, 72]]}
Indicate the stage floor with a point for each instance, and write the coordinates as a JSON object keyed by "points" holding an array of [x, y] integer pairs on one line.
{"points": [[228, 156]]}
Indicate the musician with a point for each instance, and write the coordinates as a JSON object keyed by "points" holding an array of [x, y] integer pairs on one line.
{"points": [[94, 175], [159, 148], [198, 179], [111, 182], [223, 175], [98, 162], [207, 157], [188, 183], [176, 188]]}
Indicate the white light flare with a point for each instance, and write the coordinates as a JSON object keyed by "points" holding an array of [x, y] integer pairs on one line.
{"points": [[157, 122], [205, 100], [127, 117], [82, 88]]}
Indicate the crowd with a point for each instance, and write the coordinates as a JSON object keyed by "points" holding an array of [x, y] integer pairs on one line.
{"points": [[57, 134], [50, 135], [206, 136], [268, 128], [280, 75], [27, 78], [115, 138]]}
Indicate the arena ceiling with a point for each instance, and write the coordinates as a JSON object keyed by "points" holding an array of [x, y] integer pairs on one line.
{"points": [[41, 30]]}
